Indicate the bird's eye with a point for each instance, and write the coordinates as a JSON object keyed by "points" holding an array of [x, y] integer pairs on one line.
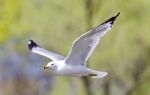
{"points": [[52, 64]]}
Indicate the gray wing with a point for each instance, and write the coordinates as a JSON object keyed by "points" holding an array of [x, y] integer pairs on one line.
{"points": [[84, 45], [41, 51]]}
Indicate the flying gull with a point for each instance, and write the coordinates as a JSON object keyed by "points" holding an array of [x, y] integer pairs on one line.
{"points": [[74, 64]]}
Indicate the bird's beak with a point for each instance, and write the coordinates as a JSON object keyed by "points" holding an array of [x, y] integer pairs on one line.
{"points": [[45, 67]]}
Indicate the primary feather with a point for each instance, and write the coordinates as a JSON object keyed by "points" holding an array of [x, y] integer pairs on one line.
{"points": [[84, 45]]}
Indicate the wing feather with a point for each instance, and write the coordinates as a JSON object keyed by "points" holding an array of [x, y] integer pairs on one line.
{"points": [[84, 45], [41, 51]]}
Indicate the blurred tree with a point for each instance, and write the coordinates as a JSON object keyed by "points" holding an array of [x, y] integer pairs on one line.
{"points": [[89, 17], [54, 24]]}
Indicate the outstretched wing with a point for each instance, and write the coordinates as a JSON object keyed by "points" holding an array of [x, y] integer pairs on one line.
{"points": [[41, 51], [84, 45]]}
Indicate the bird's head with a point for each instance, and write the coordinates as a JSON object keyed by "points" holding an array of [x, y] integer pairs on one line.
{"points": [[51, 66]]}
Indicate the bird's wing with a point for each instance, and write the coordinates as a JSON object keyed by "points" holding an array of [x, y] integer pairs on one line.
{"points": [[41, 51], [84, 45]]}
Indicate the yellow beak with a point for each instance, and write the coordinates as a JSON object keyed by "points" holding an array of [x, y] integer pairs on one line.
{"points": [[45, 67]]}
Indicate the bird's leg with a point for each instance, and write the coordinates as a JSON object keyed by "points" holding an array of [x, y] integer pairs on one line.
{"points": [[92, 74]]}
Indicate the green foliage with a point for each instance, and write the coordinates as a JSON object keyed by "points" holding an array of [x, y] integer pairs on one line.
{"points": [[59, 22]]}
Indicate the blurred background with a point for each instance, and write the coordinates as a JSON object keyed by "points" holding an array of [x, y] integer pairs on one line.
{"points": [[54, 24]]}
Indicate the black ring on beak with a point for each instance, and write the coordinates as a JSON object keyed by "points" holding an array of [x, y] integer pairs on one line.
{"points": [[45, 67]]}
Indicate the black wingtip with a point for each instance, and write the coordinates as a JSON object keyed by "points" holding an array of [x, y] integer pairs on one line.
{"points": [[32, 44], [112, 19]]}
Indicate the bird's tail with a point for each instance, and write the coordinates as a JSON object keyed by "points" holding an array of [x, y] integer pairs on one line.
{"points": [[97, 74]]}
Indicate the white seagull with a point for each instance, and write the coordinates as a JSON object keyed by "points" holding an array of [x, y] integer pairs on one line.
{"points": [[75, 62]]}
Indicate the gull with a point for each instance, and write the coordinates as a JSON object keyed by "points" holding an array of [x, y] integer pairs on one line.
{"points": [[75, 63]]}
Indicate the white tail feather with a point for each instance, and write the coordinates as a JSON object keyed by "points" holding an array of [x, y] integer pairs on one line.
{"points": [[97, 74]]}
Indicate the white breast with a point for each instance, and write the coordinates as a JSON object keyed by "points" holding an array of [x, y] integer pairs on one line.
{"points": [[71, 70]]}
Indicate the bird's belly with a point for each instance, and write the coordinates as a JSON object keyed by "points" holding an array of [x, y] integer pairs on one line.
{"points": [[73, 71]]}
